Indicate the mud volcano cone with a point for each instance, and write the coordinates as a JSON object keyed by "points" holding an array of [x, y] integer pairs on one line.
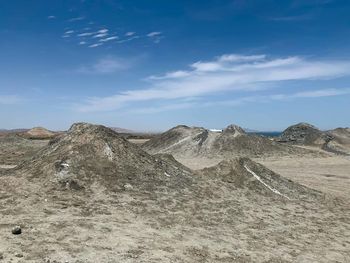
{"points": [[92, 154], [255, 179]]}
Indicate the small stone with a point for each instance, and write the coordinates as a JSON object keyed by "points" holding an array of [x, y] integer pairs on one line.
{"points": [[19, 255], [128, 187], [16, 230]]}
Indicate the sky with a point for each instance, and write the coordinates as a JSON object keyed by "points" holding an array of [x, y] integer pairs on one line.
{"points": [[149, 65]]}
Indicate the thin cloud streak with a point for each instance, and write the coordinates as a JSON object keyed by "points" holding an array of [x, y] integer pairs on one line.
{"points": [[243, 100], [227, 73]]}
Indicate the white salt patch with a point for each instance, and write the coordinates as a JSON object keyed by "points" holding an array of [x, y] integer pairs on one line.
{"points": [[261, 181], [108, 152]]}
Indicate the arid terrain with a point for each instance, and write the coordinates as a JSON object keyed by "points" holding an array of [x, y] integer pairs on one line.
{"points": [[188, 195]]}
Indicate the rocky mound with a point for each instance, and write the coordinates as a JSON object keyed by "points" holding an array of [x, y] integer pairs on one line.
{"points": [[254, 178], [335, 141], [38, 133], [340, 142], [304, 134], [233, 141], [90, 154]]}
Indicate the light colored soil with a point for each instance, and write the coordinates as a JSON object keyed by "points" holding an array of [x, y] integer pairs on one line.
{"points": [[138, 141], [327, 174], [330, 175], [214, 222], [7, 166]]}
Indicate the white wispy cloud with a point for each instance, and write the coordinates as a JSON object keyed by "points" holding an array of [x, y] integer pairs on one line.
{"points": [[51, 17], [227, 73], [129, 34], [108, 39], [74, 19], [177, 105], [279, 97], [106, 66], [86, 34], [99, 35], [153, 34], [171, 75], [96, 45], [102, 31], [127, 39]]}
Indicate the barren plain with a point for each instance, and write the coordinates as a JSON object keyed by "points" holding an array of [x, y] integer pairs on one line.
{"points": [[92, 196]]}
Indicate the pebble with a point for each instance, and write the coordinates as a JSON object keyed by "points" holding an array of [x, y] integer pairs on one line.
{"points": [[128, 187], [16, 230]]}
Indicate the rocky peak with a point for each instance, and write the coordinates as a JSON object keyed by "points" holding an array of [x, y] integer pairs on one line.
{"points": [[234, 129]]}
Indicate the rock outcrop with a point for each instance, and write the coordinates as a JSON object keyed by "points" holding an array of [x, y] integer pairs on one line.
{"points": [[304, 134]]}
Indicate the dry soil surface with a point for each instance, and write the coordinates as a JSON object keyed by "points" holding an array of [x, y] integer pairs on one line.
{"points": [[234, 212]]}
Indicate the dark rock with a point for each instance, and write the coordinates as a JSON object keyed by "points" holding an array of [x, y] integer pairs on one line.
{"points": [[17, 230]]}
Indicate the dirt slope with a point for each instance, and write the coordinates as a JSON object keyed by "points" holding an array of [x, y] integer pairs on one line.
{"points": [[340, 142], [15, 149], [244, 173]]}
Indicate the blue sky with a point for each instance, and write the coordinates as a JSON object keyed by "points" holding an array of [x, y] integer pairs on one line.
{"points": [[150, 65]]}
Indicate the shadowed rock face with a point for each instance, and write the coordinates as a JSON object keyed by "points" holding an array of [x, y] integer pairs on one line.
{"points": [[90, 154]]}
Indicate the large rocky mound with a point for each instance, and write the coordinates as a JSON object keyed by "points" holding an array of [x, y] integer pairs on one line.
{"points": [[304, 134], [335, 141], [340, 142], [244, 174], [233, 141], [90, 154]]}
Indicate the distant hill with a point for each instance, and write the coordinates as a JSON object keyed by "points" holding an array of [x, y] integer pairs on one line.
{"points": [[231, 142], [336, 141], [121, 130], [38, 133]]}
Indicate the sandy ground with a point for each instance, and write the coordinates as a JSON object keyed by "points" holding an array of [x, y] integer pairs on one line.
{"points": [[330, 175], [138, 141], [218, 223], [327, 174], [230, 226]]}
